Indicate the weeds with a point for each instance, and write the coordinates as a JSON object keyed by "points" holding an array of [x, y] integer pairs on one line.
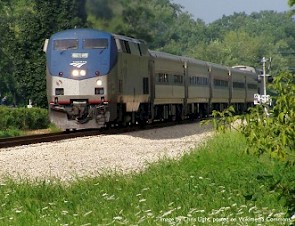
{"points": [[10, 133]]}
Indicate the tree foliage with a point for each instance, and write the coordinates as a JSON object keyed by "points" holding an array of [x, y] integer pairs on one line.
{"points": [[27, 24], [7, 82], [245, 39], [274, 132], [160, 23]]}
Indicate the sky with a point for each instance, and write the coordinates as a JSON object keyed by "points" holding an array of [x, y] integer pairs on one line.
{"points": [[211, 10]]}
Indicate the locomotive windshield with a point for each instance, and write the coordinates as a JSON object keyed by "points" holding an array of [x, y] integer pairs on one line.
{"points": [[65, 44], [101, 43]]}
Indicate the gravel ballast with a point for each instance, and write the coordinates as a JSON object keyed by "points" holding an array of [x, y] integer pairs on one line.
{"points": [[91, 156]]}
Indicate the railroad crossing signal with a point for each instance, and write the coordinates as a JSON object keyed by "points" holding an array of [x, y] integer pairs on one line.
{"points": [[262, 99]]}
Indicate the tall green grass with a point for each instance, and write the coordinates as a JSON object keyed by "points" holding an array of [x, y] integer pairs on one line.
{"points": [[10, 133], [215, 185]]}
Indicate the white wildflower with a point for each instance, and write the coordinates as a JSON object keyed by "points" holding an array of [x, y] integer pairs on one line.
{"points": [[110, 197], [118, 218], [64, 212], [168, 213], [87, 224], [252, 208], [86, 214], [150, 214], [45, 208], [200, 211], [138, 213]]}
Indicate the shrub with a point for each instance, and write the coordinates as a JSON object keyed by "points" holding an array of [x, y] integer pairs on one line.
{"points": [[23, 118], [273, 132]]}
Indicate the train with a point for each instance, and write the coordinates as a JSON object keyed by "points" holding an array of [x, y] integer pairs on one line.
{"points": [[98, 79]]}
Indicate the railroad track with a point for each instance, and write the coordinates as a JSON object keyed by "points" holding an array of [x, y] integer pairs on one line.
{"points": [[41, 138], [50, 137]]}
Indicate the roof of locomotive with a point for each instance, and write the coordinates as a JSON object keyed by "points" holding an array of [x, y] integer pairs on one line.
{"points": [[129, 39], [80, 33]]}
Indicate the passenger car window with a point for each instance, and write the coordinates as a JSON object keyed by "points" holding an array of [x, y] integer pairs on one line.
{"points": [[163, 78], [178, 79]]}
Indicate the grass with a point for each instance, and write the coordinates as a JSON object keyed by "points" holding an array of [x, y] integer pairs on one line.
{"points": [[215, 185], [10, 133], [16, 132]]}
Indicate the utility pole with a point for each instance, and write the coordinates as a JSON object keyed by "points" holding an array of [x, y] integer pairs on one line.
{"points": [[263, 99], [264, 75]]}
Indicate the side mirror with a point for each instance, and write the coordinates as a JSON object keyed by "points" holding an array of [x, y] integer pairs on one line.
{"points": [[45, 45]]}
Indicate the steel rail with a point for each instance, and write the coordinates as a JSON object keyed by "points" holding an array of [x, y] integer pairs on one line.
{"points": [[51, 137], [41, 138]]}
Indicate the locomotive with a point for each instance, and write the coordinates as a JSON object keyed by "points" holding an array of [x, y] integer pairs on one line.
{"points": [[96, 79]]}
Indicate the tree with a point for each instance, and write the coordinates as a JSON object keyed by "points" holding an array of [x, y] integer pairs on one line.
{"points": [[7, 41], [160, 23], [292, 3], [33, 22], [242, 39]]}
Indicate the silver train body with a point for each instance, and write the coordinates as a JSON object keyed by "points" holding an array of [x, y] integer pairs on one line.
{"points": [[122, 82]]}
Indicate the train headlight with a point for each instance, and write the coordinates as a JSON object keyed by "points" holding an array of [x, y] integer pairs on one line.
{"points": [[99, 82], [82, 72], [75, 73]]}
